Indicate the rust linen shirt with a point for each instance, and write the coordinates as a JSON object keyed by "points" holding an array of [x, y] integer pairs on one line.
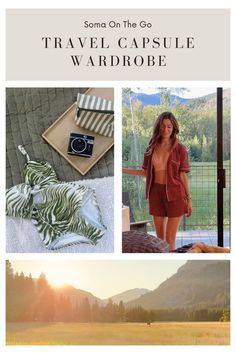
{"points": [[178, 161]]}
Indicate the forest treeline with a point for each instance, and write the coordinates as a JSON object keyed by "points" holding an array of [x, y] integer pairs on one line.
{"points": [[197, 120], [29, 300]]}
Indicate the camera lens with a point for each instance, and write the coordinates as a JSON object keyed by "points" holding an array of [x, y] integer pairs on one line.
{"points": [[78, 145]]}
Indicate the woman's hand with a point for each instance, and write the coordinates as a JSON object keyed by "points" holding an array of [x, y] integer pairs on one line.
{"points": [[189, 207], [184, 179]]}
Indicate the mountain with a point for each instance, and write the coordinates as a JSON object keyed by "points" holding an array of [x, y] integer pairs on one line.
{"points": [[128, 295], [196, 283], [206, 102], [76, 296], [154, 99]]}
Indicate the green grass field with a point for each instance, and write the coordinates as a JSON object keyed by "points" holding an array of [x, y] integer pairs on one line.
{"points": [[162, 333]]}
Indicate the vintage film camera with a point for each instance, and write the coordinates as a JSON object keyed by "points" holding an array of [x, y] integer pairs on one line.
{"points": [[80, 145]]}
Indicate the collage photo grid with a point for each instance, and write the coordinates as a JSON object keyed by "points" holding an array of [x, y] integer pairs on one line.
{"points": [[118, 201], [61, 199]]}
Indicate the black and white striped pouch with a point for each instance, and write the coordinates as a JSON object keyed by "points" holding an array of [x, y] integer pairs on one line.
{"points": [[95, 114]]}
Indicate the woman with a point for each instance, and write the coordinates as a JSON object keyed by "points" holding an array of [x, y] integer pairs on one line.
{"points": [[166, 166]]}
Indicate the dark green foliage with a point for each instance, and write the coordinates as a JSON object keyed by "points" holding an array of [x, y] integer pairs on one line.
{"points": [[225, 316], [197, 120], [203, 314]]}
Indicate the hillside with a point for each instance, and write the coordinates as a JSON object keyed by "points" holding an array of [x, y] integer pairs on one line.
{"points": [[205, 283], [76, 296], [153, 99], [206, 102], [128, 295]]}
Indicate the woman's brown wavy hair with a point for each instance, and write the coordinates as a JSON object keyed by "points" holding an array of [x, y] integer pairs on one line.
{"points": [[156, 136]]}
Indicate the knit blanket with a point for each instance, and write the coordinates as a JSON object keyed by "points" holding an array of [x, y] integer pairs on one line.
{"points": [[29, 112]]}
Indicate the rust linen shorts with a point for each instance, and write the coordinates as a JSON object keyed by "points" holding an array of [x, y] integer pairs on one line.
{"points": [[159, 205]]}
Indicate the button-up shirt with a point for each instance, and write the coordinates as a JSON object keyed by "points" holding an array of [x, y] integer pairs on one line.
{"points": [[177, 162]]}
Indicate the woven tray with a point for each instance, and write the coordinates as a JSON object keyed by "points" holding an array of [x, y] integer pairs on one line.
{"points": [[57, 135]]}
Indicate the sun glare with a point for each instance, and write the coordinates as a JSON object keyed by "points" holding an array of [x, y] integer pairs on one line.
{"points": [[57, 283], [55, 278], [101, 278], [61, 274]]}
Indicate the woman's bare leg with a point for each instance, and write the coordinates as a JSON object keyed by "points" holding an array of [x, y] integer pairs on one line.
{"points": [[160, 226], [171, 230]]}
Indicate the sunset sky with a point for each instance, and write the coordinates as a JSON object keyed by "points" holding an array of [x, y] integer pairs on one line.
{"points": [[102, 278]]}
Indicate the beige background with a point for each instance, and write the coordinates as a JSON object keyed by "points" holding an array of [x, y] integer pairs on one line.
{"points": [[27, 59]]}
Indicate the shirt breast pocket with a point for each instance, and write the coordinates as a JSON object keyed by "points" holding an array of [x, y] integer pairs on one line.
{"points": [[175, 165]]}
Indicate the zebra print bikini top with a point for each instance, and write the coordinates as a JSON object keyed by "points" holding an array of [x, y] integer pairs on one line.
{"points": [[64, 213]]}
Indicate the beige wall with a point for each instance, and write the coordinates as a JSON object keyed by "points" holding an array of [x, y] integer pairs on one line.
{"points": [[28, 59]]}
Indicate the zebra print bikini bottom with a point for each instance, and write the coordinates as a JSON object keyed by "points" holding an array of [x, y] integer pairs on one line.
{"points": [[64, 213]]}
